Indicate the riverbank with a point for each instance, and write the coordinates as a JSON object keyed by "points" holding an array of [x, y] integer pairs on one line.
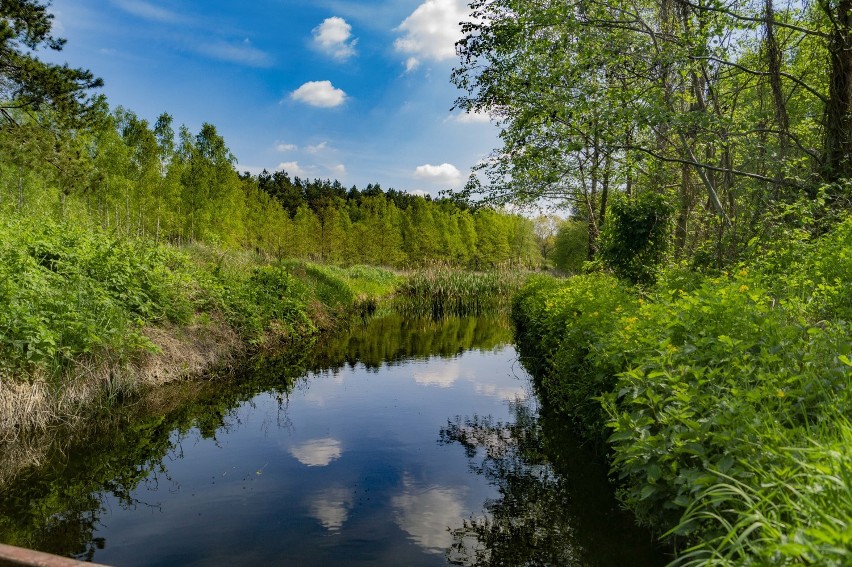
{"points": [[88, 318], [721, 399]]}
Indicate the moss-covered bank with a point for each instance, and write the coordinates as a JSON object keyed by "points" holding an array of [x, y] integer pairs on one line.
{"points": [[722, 400]]}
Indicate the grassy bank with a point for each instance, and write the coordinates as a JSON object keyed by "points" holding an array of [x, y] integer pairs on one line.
{"points": [[722, 399], [86, 317]]}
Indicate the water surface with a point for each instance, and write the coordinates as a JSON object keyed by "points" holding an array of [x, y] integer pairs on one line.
{"points": [[402, 443]]}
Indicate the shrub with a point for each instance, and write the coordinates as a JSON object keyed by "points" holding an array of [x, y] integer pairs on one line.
{"points": [[727, 397], [636, 235]]}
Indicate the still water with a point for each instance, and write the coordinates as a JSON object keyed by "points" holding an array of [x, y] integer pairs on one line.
{"points": [[402, 443]]}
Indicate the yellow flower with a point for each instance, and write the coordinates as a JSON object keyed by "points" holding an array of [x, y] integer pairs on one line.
{"points": [[780, 393], [743, 288]]}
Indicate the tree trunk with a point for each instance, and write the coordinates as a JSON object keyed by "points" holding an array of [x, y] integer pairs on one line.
{"points": [[684, 206], [837, 163], [773, 56]]}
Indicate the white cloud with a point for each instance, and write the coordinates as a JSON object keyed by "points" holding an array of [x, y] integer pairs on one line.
{"points": [[318, 452], [331, 507], [442, 376], [339, 169], [431, 31], [428, 514], [148, 11], [473, 118], [242, 53], [317, 148], [445, 173], [319, 93], [332, 37], [411, 64], [281, 147], [293, 168], [507, 393]]}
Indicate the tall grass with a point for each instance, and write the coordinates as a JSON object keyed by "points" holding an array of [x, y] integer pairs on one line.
{"points": [[799, 513], [440, 290]]}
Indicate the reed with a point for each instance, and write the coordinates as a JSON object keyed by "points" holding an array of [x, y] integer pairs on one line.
{"points": [[439, 290]]}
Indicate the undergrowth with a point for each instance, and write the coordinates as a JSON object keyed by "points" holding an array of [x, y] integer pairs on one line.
{"points": [[723, 399]]}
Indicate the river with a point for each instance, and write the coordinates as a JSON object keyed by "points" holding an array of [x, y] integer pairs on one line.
{"points": [[401, 443]]}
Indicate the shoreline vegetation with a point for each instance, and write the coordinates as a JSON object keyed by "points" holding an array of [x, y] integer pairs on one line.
{"points": [[721, 399], [90, 319]]}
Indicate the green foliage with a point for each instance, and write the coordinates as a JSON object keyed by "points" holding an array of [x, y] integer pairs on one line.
{"points": [[813, 272], [726, 396], [728, 118], [560, 325], [67, 292], [636, 236], [27, 81], [571, 247], [270, 294]]}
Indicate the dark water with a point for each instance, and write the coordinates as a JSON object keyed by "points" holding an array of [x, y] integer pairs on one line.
{"points": [[404, 443]]}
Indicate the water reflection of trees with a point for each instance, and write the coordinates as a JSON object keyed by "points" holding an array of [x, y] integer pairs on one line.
{"points": [[393, 338], [555, 506], [56, 502], [54, 486]]}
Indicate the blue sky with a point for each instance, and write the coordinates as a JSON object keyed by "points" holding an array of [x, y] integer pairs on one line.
{"points": [[355, 91]]}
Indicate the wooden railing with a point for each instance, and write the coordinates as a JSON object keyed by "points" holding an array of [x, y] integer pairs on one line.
{"points": [[11, 556]]}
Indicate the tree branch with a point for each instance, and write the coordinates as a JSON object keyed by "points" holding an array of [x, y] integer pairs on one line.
{"points": [[706, 166], [755, 20], [793, 78]]}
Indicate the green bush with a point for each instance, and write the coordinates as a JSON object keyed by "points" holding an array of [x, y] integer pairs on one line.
{"points": [[636, 235], [70, 291], [57, 304], [271, 293]]}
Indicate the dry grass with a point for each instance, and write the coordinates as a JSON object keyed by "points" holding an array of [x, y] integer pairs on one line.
{"points": [[36, 404]]}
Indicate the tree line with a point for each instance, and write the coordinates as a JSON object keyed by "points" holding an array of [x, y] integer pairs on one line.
{"points": [[153, 181], [65, 152]]}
